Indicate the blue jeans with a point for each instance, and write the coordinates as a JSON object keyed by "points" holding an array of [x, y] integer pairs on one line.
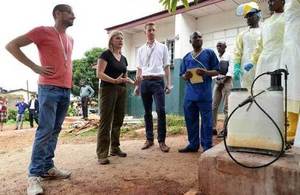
{"points": [[20, 119], [154, 89], [191, 114], [54, 102]]}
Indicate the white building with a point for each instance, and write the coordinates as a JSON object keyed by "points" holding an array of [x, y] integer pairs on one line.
{"points": [[215, 19]]}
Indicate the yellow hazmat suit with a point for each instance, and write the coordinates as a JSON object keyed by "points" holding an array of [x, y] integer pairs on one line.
{"points": [[244, 46], [291, 59], [267, 54]]}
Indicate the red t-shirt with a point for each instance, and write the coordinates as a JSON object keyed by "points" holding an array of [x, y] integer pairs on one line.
{"points": [[51, 52]]}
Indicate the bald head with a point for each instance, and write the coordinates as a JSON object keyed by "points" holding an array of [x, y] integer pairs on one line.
{"points": [[195, 34], [196, 40], [221, 43], [221, 47]]}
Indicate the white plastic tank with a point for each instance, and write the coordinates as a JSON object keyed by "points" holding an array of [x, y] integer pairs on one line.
{"points": [[251, 129]]}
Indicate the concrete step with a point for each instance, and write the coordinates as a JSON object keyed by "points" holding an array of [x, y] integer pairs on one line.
{"points": [[219, 175]]}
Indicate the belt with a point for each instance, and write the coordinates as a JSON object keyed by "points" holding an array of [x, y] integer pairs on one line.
{"points": [[149, 77]]}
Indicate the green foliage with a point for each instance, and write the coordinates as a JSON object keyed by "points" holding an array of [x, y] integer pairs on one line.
{"points": [[92, 132], [71, 111], [11, 121], [171, 5], [175, 124], [175, 120], [175, 130], [26, 118], [12, 114], [125, 130], [83, 70]]}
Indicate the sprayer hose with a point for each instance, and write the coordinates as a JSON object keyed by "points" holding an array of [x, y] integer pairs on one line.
{"points": [[275, 124]]}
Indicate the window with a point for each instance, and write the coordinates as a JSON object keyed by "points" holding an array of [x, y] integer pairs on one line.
{"points": [[171, 48]]}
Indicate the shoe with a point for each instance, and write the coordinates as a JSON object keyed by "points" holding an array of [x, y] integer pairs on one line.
{"points": [[186, 150], [147, 144], [34, 186], [215, 132], [118, 152], [54, 173], [164, 147], [103, 161]]}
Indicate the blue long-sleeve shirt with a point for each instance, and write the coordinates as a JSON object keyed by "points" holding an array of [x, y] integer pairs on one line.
{"points": [[21, 107]]}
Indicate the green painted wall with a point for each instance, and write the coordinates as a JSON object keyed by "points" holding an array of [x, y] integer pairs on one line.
{"points": [[174, 101]]}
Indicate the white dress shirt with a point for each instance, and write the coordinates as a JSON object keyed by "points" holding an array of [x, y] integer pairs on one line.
{"points": [[32, 104], [153, 60]]}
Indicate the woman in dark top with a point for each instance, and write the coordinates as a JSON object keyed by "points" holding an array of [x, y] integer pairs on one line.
{"points": [[112, 70]]}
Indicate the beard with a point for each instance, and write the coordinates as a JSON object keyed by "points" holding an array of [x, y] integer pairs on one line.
{"points": [[68, 23]]}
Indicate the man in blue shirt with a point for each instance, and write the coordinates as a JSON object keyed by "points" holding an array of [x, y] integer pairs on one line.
{"points": [[21, 106], [198, 95]]}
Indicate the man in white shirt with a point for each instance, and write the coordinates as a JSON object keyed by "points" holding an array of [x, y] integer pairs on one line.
{"points": [[223, 84], [33, 107], [86, 92], [153, 65]]}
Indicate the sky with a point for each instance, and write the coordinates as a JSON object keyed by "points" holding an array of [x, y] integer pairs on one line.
{"points": [[92, 17]]}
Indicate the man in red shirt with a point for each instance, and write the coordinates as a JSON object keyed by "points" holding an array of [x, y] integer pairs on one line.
{"points": [[55, 81]]}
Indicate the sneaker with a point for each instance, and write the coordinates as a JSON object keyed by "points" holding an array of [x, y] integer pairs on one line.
{"points": [[54, 173], [34, 186]]}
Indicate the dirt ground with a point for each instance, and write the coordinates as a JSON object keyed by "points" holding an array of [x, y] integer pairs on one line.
{"points": [[141, 172]]}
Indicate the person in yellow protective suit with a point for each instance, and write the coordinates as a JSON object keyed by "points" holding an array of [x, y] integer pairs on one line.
{"points": [[245, 44], [290, 58], [267, 54]]}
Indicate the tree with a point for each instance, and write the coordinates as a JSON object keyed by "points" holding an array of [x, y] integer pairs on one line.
{"points": [[171, 5], [83, 70]]}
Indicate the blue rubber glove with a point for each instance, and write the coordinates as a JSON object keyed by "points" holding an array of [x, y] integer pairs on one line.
{"points": [[236, 71], [248, 66]]}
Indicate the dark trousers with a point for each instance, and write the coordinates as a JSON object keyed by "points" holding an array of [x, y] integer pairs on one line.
{"points": [[154, 89], [112, 112], [33, 115], [84, 106]]}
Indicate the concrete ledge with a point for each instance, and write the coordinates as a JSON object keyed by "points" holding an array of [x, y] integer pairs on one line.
{"points": [[219, 175]]}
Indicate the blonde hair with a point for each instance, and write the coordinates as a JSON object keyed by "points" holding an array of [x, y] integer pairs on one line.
{"points": [[111, 36]]}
